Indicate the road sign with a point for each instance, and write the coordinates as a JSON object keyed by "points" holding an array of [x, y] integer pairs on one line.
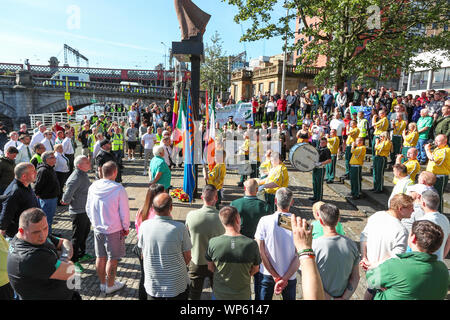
{"points": [[67, 96], [94, 100]]}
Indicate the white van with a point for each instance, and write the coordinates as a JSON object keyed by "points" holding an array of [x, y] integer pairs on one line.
{"points": [[131, 84]]}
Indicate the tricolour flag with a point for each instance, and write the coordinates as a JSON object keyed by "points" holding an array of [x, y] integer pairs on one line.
{"points": [[189, 174], [175, 111], [212, 135]]}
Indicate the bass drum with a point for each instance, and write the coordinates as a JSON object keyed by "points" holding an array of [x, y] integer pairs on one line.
{"points": [[303, 157]]}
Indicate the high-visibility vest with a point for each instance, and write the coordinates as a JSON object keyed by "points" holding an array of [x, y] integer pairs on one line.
{"points": [[38, 157], [158, 139], [117, 142], [362, 126], [92, 144]]}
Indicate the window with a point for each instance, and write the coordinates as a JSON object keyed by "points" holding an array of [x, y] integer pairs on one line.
{"points": [[447, 74], [272, 88], [261, 88], [434, 26], [299, 51], [438, 75], [445, 27]]}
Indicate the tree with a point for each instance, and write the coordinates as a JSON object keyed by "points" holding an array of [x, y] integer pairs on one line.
{"points": [[360, 38], [214, 71]]}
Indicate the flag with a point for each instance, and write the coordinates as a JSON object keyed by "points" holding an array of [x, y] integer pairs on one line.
{"points": [[175, 111], [189, 174], [212, 135], [179, 126]]}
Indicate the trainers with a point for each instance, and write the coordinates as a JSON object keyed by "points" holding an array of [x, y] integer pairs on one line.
{"points": [[117, 286], [102, 288], [133, 159], [78, 267], [86, 257], [144, 173]]}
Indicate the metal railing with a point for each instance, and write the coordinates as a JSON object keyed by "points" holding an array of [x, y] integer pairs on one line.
{"points": [[97, 87], [49, 119], [93, 87]]}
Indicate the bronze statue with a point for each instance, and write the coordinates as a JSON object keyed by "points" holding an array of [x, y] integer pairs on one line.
{"points": [[192, 19]]}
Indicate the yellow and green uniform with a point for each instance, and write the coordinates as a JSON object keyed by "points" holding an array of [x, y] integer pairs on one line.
{"points": [[255, 154], [399, 127], [216, 177], [440, 166], [352, 135], [280, 176], [356, 162], [382, 150], [266, 166], [380, 126], [409, 142], [330, 169], [413, 167]]}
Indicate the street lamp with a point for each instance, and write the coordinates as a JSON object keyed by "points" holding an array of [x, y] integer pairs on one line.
{"points": [[165, 56]]}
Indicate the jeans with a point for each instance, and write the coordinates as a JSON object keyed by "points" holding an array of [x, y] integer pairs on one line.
{"points": [[257, 278], [422, 156], [49, 207], [268, 286]]}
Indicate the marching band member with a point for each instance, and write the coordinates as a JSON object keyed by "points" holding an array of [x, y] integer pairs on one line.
{"points": [[278, 178], [333, 146], [383, 147], [399, 126], [358, 151], [410, 138], [352, 134], [439, 164], [319, 171], [412, 164], [380, 125], [217, 175]]}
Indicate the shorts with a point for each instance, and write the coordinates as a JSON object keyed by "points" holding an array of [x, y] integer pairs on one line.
{"points": [[109, 245], [132, 145]]}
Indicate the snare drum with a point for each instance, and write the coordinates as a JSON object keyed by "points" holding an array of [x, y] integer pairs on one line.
{"points": [[303, 157]]}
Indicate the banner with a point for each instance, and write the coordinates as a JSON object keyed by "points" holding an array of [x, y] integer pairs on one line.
{"points": [[242, 113], [367, 111]]}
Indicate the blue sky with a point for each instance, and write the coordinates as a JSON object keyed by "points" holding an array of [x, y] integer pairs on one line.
{"points": [[112, 33]]}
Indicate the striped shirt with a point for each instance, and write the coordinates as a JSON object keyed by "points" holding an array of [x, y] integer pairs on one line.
{"points": [[163, 242]]}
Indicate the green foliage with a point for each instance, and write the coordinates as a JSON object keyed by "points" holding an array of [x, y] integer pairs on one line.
{"points": [[346, 32], [214, 71]]}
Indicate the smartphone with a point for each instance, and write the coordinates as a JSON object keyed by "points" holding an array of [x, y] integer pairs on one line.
{"points": [[284, 221]]}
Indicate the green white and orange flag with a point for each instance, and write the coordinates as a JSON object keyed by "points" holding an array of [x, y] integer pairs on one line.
{"points": [[212, 134]]}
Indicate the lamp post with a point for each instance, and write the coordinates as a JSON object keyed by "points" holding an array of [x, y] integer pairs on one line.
{"points": [[165, 56], [283, 80]]}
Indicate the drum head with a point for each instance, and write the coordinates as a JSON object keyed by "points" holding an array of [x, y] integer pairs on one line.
{"points": [[245, 169], [303, 157]]}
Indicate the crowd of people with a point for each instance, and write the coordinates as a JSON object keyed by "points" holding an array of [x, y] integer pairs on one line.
{"points": [[244, 240]]}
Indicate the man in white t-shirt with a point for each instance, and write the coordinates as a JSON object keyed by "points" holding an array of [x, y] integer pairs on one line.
{"points": [[132, 115], [338, 124], [148, 140], [279, 257], [404, 181], [97, 145], [430, 206], [384, 236]]}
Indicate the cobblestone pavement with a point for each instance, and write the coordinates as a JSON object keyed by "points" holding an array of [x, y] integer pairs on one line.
{"points": [[136, 185]]}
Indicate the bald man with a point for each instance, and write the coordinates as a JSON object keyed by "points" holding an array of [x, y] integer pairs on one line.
{"points": [[439, 164]]}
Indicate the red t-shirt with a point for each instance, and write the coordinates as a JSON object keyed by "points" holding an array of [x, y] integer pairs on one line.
{"points": [[281, 105], [254, 105]]}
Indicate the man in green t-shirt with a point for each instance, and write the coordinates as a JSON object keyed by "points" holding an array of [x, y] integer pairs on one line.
{"points": [[424, 125], [203, 224], [416, 275], [250, 208], [233, 258]]}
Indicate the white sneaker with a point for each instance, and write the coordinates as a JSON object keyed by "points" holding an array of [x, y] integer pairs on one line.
{"points": [[117, 286], [132, 159], [102, 288], [144, 173], [128, 158]]}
